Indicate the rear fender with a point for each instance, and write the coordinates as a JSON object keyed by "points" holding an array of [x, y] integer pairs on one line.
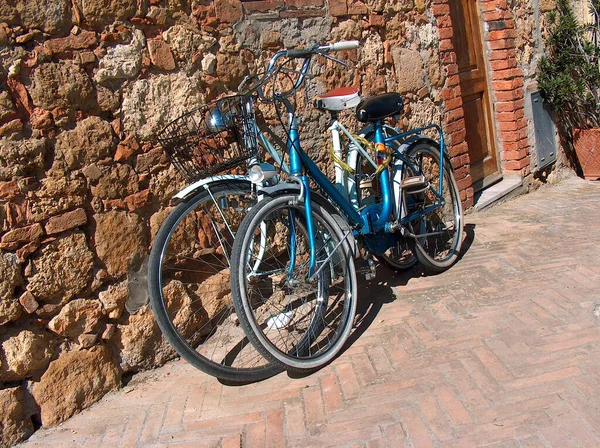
{"points": [[418, 139]]}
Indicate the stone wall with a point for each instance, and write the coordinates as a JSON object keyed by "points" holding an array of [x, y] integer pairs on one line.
{"points": [[84, 85]]}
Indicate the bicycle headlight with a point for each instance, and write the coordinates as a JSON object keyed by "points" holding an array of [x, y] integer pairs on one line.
{"points": [[256, 174], [214, 121]]}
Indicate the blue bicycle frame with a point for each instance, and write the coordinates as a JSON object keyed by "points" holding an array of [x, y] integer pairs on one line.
{"points": [[371, 219]]}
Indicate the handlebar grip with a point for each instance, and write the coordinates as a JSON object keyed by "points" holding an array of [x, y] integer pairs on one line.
{"points": [[299, 53], [345, 45]]}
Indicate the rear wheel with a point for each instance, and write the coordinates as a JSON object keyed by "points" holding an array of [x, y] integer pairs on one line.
{"points": [[438, 222], [188, 279]]}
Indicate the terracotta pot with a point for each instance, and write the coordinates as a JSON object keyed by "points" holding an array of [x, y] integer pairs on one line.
{"points": [[587, 147]]}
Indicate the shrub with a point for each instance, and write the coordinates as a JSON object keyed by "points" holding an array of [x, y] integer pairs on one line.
{"points": [[569, 73]]}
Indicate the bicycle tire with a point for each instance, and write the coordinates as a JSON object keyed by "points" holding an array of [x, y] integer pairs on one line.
{"points": [[442, 228], [260, 315], [206, 346]]}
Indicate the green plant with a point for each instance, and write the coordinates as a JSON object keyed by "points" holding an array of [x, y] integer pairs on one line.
{"points": [[569, 73]]}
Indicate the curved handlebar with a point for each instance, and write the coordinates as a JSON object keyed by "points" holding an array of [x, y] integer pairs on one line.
{"points": [[306, 54]]}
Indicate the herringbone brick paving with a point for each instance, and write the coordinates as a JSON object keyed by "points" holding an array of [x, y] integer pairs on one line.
{"points": [[502, 350]]}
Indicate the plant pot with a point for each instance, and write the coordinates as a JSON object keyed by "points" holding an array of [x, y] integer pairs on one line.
{"points": [[587, 148]]}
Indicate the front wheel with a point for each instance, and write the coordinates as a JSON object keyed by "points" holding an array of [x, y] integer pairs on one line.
{"points": [[437, 222], [293, 317], [188, 282]]}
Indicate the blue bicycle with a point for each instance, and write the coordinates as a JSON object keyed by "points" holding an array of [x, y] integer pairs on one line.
{"points": [[293, 276], [218, 148]]}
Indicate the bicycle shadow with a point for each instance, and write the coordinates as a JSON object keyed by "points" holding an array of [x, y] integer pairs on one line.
{"points": [[374, 294]]}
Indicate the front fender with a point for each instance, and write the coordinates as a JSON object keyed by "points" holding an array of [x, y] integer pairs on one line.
{"points": [[191, 189]]}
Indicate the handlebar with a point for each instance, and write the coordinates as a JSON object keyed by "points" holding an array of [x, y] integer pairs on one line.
{"points": [[306, 54], [338, 46]]}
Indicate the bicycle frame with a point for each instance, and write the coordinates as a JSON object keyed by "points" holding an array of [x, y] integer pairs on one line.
{"points": [[362, 221]]}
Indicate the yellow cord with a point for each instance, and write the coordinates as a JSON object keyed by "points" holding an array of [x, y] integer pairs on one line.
{"points": [[368, 146]]}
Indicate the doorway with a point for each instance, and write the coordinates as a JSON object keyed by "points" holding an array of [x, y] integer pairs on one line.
{"points": [[477, 106]]}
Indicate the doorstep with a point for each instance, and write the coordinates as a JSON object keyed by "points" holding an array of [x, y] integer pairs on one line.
{"points": [[492, 194]]}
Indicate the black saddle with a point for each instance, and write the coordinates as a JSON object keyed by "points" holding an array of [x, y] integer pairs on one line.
{"points": [[379, 107]]}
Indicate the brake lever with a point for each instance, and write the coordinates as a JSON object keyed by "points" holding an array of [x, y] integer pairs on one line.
{"points": [[243, 83], [297, 72], [326, 56]]}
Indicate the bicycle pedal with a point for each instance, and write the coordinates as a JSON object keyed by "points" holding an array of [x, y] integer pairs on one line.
{"points": [[414, 184]]}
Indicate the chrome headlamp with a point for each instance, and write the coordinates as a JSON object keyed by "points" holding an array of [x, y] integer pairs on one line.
{"points": [[214, 121]]}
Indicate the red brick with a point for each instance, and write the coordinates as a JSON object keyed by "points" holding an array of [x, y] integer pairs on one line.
{"points": [[446, 33], [23, 234], [66, 221], [506, 74], [28, 302], [337, 7], [348, 380], [356, 7], [376, 20], [502, 34], [503, 64], [507, 85], [446, 44], [515, 155], [453, 103], [83, 40], [415, 429], [458, 149], [303, 3], [228, 11], [503, 54], [511, 125], [275, 433], [440, 10], [510, 106], [332, 394], [313, 406], [255, 435], [9, 190], [508, 95], [262, 5], [457, 137], [501, 44], [515, 164], [453, 115]]}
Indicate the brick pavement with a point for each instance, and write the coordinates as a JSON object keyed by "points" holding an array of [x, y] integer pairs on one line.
{"points": [[502, 350]]}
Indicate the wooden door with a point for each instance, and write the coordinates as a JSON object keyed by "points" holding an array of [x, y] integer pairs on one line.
{"points": [[476, 100]]}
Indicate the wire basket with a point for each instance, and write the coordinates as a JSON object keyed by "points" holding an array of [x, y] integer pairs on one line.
{"points": [[211, 139]]}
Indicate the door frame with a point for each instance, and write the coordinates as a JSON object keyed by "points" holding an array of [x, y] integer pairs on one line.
{"points": [[505, 87]]}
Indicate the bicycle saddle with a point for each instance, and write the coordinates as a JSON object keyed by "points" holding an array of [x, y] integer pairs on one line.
{"points": [[338, 99], [379, 107]]}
